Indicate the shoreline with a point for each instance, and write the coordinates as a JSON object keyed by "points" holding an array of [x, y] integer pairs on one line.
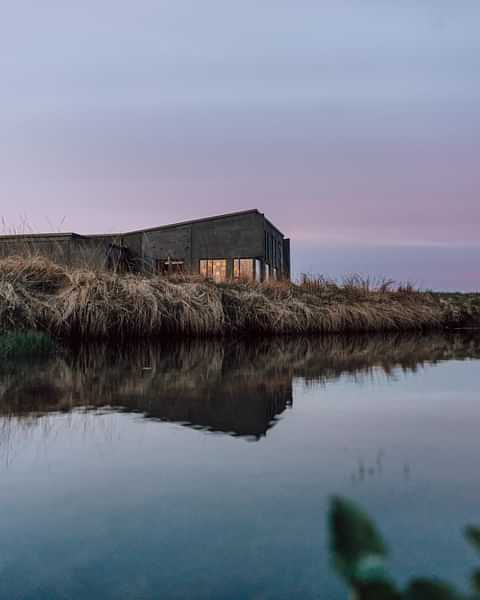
{"points": [[81, 303]]}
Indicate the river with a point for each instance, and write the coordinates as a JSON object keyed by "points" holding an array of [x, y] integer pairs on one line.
{"points": [[204, 469]]}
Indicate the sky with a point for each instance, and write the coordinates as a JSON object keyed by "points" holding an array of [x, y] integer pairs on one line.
{"points": [[353, 124]]}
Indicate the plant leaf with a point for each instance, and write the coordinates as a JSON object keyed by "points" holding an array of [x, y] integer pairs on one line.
{"points": [[380, 590], [473, 536], [476, 581], [357, 548], [424, 589]]}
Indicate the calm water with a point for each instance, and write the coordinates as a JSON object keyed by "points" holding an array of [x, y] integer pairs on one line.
{"points": [[204, 470]]}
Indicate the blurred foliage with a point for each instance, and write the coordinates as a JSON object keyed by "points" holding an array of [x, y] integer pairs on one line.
{"points": [[25, 344], [359, 552]]}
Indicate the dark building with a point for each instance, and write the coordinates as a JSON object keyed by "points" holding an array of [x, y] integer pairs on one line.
{"points": [[243, 245]]}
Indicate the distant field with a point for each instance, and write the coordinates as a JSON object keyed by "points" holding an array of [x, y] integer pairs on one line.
{"points": [[37, 294]]}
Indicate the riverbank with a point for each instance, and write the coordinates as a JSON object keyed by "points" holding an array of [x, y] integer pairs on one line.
{"points": [[39, 295]]}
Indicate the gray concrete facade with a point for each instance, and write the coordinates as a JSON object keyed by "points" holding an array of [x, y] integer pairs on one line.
{"points": [[223, 243]]}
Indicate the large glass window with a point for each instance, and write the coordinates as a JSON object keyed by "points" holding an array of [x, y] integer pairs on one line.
{"points": [[243, 269], [215, 269]]}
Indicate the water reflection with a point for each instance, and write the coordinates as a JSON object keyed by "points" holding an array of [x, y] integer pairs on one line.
{"points": [[239, 388], [100, 504]]}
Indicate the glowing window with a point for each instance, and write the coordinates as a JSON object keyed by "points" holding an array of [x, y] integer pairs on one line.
{"points": [[215, 269], [243, 269]]}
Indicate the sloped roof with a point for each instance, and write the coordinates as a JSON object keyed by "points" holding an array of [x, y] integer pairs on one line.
{"points": [[36, 236]]}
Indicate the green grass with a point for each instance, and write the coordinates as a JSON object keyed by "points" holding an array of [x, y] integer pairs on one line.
{"points": [[25, 344]]}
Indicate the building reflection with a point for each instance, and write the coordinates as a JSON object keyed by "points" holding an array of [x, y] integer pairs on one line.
{"points": [[238, 388]]}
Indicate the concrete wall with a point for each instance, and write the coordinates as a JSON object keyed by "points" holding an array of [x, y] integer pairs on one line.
{"points": [[238, 236], [276, 251], [88, 252], [174, 243], [133, 241], [58, 248], [99, 247], [72, 250], [287, 267]]}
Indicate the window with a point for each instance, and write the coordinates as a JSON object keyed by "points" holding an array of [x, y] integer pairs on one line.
{"points": [[169, 266], [258, 271], [267, 272], [268, 247], [243, 269], [215, 269]]}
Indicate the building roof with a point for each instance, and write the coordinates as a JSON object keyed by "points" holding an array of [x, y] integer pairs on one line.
{"points": [[35, 236], [193, 221], [126, 233]]}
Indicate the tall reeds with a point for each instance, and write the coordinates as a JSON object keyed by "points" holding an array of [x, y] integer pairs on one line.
{"points": [[83, 302]]}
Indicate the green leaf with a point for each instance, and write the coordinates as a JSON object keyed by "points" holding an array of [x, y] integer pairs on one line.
{"points": [[476, 581], [380, 590], [356, 546], [424, 589], [473, 536]]}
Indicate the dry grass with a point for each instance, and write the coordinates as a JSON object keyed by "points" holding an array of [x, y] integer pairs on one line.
{"points": [[108, 305], [36, 293]]}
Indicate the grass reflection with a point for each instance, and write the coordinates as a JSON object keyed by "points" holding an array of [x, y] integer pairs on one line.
{"points": [[239, 388]]}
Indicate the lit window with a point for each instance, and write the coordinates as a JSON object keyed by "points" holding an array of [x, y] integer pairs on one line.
{"points": [[243, 269], [214, 269]]}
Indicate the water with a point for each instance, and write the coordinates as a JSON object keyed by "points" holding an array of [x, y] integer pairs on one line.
{"points": [[204, 470]]}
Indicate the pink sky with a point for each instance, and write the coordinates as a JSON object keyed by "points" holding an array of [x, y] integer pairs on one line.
{"points": [[353, 125]]}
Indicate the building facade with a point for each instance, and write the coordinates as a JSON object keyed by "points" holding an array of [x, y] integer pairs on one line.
{"points": [[237, 246]]}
